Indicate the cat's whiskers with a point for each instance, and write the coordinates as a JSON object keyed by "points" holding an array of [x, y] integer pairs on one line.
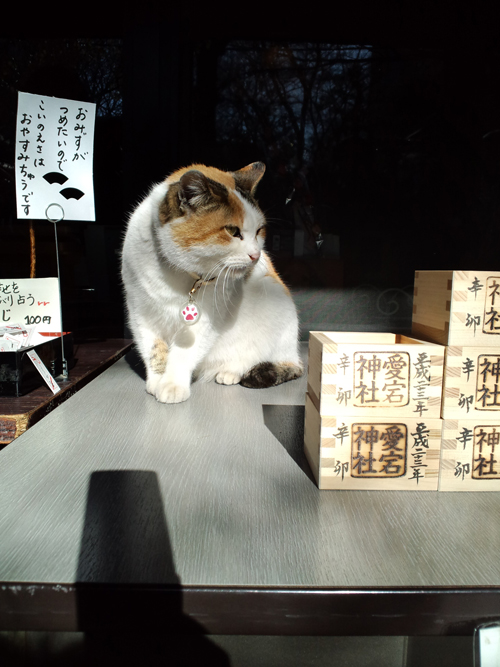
{"points": [[223, 290], [212, 271], [209, 280], [228, 280], [221, 278], [221, 272], [233, 277]]}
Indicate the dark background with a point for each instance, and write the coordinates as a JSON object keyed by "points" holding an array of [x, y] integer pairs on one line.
{"points": [[379, 124]]}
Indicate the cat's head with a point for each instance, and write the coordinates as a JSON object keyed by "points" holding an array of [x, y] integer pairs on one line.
{"points": [[210, 218]]}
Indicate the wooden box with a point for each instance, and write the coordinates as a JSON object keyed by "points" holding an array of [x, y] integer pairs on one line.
{"points": [[471, 384], [470, 455], [457, 307], [377, 453], [369, 374], [18, 375]]}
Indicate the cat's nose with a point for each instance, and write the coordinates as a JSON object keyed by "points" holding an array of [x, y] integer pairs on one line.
{"points": [[254, 256]]}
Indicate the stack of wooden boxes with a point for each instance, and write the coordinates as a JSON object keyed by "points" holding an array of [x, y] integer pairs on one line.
{"points": [[385, 411], [461, 310], [373, 411]]}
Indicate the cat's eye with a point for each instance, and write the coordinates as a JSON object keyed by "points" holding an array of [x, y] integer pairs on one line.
{"points": [[261, 229], [234, 231]]}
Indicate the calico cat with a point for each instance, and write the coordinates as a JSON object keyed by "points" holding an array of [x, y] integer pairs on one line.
{"points": [[203, 297]]}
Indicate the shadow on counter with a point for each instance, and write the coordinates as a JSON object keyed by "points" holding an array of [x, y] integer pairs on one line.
{"points": [[129, 596]]}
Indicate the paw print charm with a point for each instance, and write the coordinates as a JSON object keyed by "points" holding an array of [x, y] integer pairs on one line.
{"points": [[190, 313]]}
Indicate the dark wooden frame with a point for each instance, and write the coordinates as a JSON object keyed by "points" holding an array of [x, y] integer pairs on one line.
{"points": [[246, 610]]}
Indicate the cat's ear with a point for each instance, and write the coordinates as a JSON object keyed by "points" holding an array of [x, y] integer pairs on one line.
{"points": [[248, 178], [197, 191]]}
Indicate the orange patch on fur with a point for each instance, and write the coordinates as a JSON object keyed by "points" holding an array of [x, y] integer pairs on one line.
{"points": [[158, 357]]}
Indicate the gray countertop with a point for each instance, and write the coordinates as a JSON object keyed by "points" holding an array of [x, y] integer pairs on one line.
{"points": [[114, 487], [224, 478]]}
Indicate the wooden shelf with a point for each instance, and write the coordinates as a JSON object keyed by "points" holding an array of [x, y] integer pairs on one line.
{"points": [[92, 358]]}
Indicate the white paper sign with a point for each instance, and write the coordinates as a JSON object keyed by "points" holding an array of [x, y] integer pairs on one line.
{"points": [[54, 155], [42, 369], [31, 301], [489, 646]]}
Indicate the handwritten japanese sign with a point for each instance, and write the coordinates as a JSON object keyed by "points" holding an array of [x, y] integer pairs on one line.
{"points": [[385, 453], [386, 380], [363, 374], [386, 450], [381, 378], [471, 382], [457, 307], [53, 159], [488, 380], [491, 320], [379, 450], [486, 462], [31, 301], [471, 455]]}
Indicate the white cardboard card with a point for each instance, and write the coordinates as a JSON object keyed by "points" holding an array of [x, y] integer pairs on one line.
{"points": [[54, 157], [31, 301]]}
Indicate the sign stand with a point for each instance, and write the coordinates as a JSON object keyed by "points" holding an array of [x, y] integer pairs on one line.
{"points": [[54, 151], [56, 217]]}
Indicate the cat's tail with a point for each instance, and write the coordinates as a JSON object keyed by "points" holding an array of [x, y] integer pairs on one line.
{"points": [[270, 373]]}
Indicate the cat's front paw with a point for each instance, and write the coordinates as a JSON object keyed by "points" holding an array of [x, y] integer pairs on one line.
{"points": [[167, 392], [152, 384], [227, 377]]}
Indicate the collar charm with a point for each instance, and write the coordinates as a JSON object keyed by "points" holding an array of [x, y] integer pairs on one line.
{"points": [[190, 312]]}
